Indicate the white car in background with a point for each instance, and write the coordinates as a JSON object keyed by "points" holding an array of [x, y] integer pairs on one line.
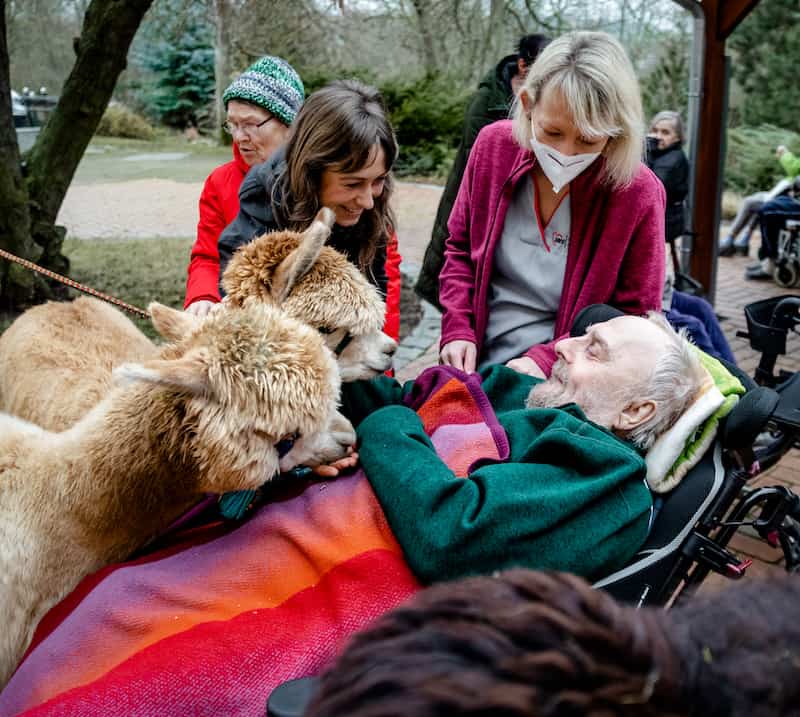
{"points": [[30, 112]]}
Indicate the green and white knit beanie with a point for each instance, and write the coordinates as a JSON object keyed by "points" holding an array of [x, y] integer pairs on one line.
{"points": [[270, 83]]}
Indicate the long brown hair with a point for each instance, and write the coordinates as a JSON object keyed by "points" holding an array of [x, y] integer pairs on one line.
{"points": [[337, 129]]}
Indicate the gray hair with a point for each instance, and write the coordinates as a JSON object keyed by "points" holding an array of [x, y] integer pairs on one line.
{"points": [[673, 385], [670, 116], [599, 85]]}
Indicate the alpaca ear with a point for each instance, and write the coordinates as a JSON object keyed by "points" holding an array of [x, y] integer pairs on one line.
{"points": [[171, 324], [188, 373], [295, 266]]}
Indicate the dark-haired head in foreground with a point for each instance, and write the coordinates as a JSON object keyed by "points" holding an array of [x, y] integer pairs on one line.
{"points": [[534, 643]]}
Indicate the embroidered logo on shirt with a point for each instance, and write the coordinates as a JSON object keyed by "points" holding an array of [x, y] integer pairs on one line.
{"points": [[560, 239]]}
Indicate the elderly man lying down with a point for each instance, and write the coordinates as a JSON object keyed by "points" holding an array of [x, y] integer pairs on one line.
{"points": [[457, 477], [566, 489]]}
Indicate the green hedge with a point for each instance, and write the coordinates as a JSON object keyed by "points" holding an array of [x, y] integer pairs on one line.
{"points": [[750, 163]]}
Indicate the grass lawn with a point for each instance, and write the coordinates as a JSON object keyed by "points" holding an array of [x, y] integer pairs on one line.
{"points": [[109, 159], [137, 271]]}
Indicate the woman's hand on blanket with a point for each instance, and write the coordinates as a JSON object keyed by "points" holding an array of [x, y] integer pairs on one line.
{"points": [[525, 364], [331, 470], [459, 354]]}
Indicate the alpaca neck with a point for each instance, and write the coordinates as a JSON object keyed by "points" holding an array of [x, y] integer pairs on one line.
{"points": [[137, 470]]}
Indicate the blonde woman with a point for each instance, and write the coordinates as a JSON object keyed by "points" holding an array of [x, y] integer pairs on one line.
{"points": [[555, 212]]}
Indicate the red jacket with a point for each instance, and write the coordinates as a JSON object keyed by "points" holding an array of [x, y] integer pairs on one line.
{"points": [[616, 252], [219, 205]]}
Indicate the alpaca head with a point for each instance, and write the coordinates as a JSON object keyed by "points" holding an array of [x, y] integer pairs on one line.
{"points": [[244, 381], [318, 286]]}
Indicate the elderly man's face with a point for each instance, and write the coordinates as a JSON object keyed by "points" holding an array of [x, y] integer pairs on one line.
{"points": [[599, 371]]}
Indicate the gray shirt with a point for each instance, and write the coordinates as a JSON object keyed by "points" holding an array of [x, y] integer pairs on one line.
{"points": [[527, 277]]}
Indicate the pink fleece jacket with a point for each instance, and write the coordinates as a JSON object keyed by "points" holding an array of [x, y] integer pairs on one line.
{"points": [[616, 252]]}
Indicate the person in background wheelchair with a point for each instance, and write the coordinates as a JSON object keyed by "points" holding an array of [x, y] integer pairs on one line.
{"points": [[773, 218], [747, 218], [537, 644], [665, 156]]}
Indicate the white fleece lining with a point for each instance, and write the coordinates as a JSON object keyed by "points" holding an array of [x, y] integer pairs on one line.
{"points": [[669, 445]]}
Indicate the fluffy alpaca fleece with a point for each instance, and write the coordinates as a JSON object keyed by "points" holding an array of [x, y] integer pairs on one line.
{"points": [[320, 287], [55, 365], [204, 416]]}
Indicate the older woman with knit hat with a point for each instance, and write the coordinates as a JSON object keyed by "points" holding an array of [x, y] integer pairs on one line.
{"points": [[260, 105]]}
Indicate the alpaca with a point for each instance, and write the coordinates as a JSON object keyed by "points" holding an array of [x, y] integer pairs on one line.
{"points": [[319, 286], [56, 359], [205, 416], [71, 347]]}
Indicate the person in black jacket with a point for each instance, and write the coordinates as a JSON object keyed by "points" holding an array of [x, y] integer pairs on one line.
{"points": [[490, 103], [666, 158]]}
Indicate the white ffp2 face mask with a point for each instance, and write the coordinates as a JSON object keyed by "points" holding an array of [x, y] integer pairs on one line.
{"points": [[560, 168]]}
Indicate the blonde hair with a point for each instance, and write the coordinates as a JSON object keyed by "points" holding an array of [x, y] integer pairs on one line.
{"points": [[598, 84]]}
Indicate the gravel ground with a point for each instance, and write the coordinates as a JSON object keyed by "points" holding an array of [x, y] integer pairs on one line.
{"points": [[164, 208]]}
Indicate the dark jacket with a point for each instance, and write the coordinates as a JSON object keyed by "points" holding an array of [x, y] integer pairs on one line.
{"points": [[490, 103], [672, 168], [260, 211]]}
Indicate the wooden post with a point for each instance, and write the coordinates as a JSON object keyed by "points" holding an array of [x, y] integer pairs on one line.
{"points": [[721, 18]]}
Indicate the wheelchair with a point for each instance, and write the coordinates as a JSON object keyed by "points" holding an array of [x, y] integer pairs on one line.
{"points": [[787, 263], [695, 522]]}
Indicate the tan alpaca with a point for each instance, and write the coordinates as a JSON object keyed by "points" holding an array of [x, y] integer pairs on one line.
{"points": [[319, 286], [204, 416]]}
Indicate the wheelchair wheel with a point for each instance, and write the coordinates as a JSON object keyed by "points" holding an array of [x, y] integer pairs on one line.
{"points": [[786, 274], [789, 537]]}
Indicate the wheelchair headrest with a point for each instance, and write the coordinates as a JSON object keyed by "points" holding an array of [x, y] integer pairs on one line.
{"points": [[749, 417], [594, 314]]}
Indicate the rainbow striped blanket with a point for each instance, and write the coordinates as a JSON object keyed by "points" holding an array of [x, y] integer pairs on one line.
{"points": [[211, 623]]}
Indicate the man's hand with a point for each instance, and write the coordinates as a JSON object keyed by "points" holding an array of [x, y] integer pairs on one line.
{"points": [[200, 308], [525, 364], [331, 470], [459, 354]]}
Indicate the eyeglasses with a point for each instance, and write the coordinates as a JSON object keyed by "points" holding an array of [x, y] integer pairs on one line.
{"points": [[248, 128]]}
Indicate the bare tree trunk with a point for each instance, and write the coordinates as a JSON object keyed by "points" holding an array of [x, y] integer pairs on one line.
{"points": [[108, 29], [16, 283], [422, 10]]}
